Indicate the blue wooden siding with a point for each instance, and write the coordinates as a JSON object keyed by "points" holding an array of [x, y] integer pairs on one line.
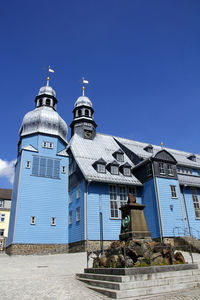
{"points": [[150, 211], [189, 207], [76, 229], [43, 198], [171, 218], [30, 140]]}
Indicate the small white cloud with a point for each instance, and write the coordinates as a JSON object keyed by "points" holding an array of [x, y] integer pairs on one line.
{"points": [[7, 169]]}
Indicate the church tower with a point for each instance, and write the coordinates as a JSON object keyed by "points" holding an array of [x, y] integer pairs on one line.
{"points": [[83, 123], [39, 211]]}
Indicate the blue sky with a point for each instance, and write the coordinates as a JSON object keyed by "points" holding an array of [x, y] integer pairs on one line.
{"points": [[141, 57]]}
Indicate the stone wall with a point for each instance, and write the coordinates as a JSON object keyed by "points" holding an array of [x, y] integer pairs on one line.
{"points": [[30, 249], [92, 246]]}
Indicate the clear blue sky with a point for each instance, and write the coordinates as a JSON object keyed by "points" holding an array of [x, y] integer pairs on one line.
{"points": [[142, 58]]}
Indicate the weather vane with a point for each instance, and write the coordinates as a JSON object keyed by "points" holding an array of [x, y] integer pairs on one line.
{"points": [[83, 83], [48, 77]]}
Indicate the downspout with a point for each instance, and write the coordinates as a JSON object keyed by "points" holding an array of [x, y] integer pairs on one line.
{"points": [[88, 183], [183, 211], [158, 205], [186, 210]]}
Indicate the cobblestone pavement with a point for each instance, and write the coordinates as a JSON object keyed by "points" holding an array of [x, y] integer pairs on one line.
{"points": [[52, 277]]}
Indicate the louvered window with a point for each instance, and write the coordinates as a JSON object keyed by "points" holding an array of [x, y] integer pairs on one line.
{"points": [[46, 167]]}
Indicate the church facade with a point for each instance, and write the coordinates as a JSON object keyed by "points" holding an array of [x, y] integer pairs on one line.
{"points": [[66, 196]]}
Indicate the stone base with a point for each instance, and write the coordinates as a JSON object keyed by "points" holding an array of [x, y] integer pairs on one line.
{"points": [[30, 249], [92, 246], [127, 236]]}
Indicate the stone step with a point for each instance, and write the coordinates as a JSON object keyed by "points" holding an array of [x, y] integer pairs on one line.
{"points": [[140, 284], [138, 277], [134, 293]]}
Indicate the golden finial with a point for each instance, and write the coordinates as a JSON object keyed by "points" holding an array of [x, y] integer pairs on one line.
{"points": [[161, 144], [48, 78]]}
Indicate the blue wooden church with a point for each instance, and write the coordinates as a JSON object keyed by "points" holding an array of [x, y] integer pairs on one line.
{"points": [[59, 206]]}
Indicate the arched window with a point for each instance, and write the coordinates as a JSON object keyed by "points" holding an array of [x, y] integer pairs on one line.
{"points": [[79, 113], [48, 101], [86, 112], [40, 102]]}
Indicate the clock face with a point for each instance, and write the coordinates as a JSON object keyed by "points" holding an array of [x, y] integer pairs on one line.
{"points": [[87, 134]]}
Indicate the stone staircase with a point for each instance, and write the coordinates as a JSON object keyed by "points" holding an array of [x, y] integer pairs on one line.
{"points": [[187, 242], [134, 282]]}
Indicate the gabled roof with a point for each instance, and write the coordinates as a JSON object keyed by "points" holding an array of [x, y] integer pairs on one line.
{"points": [[62, 153], [30, 148], [86, 152]]}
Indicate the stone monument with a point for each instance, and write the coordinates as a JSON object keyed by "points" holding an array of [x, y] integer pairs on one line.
{"points": [[134, 225]]}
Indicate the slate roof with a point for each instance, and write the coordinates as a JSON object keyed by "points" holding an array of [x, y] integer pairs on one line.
{"points": [[87, 151], [6, 194], [189, 180], [180, 156]]}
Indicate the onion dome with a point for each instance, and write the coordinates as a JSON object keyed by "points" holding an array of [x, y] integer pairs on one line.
{"points": [[44, 118], [83, 101]]}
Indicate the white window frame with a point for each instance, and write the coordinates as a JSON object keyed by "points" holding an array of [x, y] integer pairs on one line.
{"points": [[33, 219], [78, 191], [2, 217], [170, 170], [173, 191], [195, 200], [70, 217], [127, 171], [70, 197], [53, 221], [120, 157], [114, 170], [161, 168], [63, 168], [1, 203], [78, 214], [101, 168], [48, 145]]}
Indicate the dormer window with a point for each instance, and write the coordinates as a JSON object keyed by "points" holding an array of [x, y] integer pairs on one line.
{"points": [[192, 157], [119, 155], [127, 171], [101, 168], [161, 169], [100, 165], [114, 170], [149, 148]]}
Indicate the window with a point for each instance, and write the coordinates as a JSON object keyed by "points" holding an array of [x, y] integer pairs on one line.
{"points": [[120, 157], [63, 169], [101, 168], [161, 168], [114, 212], [122, 195], [70, 197], [53, 221], [86, 112], [48, 145], [78, 214], [195, 200], [48, 101], [2, 217], [78, 192], [173, 191], [1, 232], [40, 102], [79, 113], [127, 171], [149, 170], [32, 220], [114, 170], [1, 203], [170, 170], [70, 217], [46, 167], [28, 164]]}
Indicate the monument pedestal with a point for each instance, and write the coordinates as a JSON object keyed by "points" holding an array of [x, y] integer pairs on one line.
{"points": [[134, 225]]}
